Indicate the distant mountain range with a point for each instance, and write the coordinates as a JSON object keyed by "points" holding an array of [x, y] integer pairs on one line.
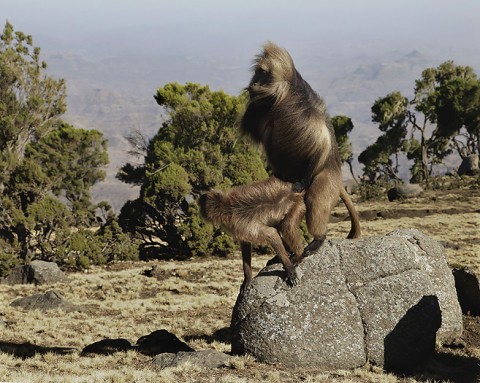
{"points": [[114, 94]]}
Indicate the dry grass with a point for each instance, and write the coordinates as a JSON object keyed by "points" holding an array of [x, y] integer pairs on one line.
{"points": [[194, 300], [459, 232]]}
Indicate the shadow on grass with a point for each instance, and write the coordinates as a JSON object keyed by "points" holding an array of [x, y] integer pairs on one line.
{"points": [[446, 367], [442, 367], [29, 350], [223, 335], [409, 349]]}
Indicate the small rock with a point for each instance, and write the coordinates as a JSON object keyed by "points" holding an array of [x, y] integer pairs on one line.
{"points": [[404, 191], [203, 358], [468, 290], [17, 276], [43, 273], [37, 272], [161, 341], [51, 300]]}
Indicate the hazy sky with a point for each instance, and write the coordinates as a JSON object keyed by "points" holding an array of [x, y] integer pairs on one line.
{"points": [[435, 22]]}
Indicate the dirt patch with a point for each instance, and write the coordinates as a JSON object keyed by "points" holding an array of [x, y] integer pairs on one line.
{"points": [[471, 333], [419, 213], [370, 215], [450, 202]]}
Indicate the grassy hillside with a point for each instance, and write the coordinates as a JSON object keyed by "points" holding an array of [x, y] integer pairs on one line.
{"points": [[194, 299]]}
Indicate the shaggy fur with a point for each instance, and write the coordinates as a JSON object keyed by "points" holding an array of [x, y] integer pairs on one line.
{"points": [[263, 213], [289, 119]]}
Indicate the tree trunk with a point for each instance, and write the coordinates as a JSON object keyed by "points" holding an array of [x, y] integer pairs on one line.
{"points": [[424, 157], [349, 162]]}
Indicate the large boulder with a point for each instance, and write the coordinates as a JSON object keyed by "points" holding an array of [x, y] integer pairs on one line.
{"points": [[108, 347], [384, 300]]}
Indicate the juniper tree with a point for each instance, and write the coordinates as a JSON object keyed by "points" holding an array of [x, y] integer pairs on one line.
{"points": [[195, 149]]}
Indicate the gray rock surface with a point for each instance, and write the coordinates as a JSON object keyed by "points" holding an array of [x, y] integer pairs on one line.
{"points": [[37, 272], [203, 358], [433, 259], [50, 300], [404, 191], [377, 299]]}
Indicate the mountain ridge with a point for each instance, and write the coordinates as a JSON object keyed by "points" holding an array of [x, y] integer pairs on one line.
{"points": [[114, 93]]}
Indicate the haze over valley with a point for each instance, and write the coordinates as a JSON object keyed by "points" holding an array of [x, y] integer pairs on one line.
{"points": [[115, 60]]}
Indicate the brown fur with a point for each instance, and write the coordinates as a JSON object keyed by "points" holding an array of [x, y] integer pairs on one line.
{"points": [[263, 213], [289, 119]]}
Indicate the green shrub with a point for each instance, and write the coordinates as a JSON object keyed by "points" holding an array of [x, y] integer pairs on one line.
{"points": [[223, 245], [117, 245], [372, 191], [197, 148], [8, 258]]}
